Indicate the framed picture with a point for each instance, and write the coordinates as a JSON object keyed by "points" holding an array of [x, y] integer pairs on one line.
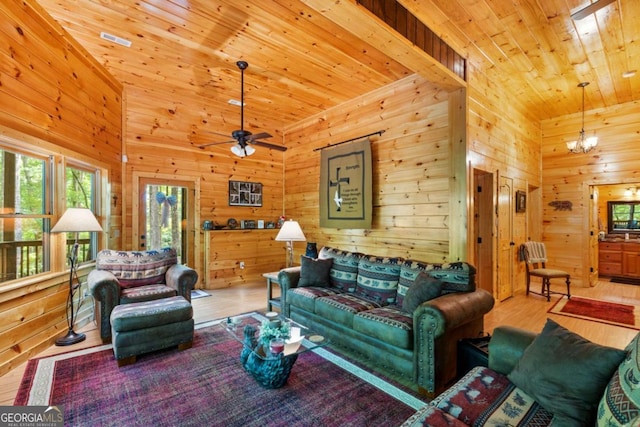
{"points": [[242, 193], [521, 201]]}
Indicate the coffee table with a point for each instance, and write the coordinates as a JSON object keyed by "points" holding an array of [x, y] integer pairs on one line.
{"points": [[268, 369]]}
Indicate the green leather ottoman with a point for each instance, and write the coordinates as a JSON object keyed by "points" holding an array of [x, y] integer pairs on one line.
{"points": [[143, 327]]}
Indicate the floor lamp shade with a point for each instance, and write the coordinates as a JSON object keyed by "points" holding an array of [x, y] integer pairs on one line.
{"points": [[77, 220], [290, 232], [74, 220]]}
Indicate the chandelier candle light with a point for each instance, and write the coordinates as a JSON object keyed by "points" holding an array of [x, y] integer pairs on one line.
{"points": [[74, 220], [290, 232], [583, 144]]}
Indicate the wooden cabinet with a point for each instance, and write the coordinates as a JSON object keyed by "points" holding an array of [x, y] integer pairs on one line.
{"points": [[631, 259], [619, 259], [610, 259]]}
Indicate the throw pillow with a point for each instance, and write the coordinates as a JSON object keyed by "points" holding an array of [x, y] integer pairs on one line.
{"points": [[620, 404], [566, 374], [314, 272], [424, 288]]}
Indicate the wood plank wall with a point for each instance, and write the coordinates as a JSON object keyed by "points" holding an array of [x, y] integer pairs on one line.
{"points": [[412, 171], [55, 96], [505, 142], [152, 129], [567, 177]]}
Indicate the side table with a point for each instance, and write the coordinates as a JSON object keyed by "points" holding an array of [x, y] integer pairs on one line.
{"points": [[272, 278], [472, 352]]}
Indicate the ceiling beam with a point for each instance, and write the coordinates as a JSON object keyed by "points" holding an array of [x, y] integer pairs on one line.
{"points": [[365, 25]]}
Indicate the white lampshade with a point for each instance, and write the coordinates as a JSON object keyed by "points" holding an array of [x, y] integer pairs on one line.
{"points": [[76, 220], [290, 232]]}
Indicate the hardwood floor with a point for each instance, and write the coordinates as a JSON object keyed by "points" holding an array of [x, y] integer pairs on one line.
{"points": [[527, 312]]}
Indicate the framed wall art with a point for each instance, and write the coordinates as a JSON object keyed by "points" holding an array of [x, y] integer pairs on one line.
{"points": [[242, 193], [521, 201]]}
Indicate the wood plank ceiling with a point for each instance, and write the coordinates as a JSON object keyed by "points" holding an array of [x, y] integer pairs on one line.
{"points": [[308, 55]]}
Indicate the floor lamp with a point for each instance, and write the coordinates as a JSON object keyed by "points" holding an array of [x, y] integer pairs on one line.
{"points": [[74, 220], [290, 232]]}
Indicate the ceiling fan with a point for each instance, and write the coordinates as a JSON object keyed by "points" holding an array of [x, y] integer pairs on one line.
{"points": [[243, 138]]}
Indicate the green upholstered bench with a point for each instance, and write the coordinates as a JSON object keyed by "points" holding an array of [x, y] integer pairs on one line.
{"points": [[143, 327]]}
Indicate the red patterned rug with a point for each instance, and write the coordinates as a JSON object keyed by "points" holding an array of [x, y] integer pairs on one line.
{"points": [[207, 386], [612, 313]]}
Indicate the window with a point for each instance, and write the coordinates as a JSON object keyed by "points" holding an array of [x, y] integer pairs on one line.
{"points": [[623, 217], [28, 199], [80, 190]]}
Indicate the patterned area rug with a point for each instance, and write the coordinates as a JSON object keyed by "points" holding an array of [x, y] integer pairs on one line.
{"points": [[207, 386], [612, 313]]}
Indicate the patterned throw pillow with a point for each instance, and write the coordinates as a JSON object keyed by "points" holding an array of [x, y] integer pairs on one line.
{"points": [[456, 276], [620, 404], [378, 278], [344, 271], [408, 273], [137, 268]]}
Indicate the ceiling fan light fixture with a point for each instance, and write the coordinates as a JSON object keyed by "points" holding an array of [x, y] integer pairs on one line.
{"points": [[241, 151], [583, 144]]}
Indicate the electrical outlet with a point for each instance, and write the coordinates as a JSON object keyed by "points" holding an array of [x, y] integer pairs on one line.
{"points": [[241, 265]]}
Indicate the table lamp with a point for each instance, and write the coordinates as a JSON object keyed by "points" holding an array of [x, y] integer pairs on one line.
{"points": [[290, 232], [74, 220]]}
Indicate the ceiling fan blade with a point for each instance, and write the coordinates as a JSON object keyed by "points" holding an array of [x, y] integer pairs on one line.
{"points": [[261, 135], [215, 143], [592, 8], [270, 146]]}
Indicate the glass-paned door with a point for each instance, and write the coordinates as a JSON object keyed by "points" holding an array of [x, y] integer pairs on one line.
{"points": [[164, 219]]}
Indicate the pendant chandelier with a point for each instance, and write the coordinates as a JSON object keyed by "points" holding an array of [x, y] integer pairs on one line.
{"points": [[583, 144]]}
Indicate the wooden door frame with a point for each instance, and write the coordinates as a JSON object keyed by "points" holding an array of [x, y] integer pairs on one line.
{"points": [[192, 183]]}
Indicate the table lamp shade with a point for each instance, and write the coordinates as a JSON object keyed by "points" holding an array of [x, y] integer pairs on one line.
{"points": [[290, 232], [76, 220]]}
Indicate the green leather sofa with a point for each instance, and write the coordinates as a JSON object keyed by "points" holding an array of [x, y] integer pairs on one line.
{"points": [[359, 306]]}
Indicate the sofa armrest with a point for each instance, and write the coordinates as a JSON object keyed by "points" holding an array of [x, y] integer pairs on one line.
{"points": [[105, 290], [287, 279], [438, 324], [450, 310], [507, 346], [181, 278]]}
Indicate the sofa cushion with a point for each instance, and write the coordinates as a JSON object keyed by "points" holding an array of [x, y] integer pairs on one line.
{"points": [[314, 272], [306, 297], [378, 278], [342, 307], [566, 373], [409, 271], [389, 324], [344, 271], [620, 404], [137, 268], [484, 397], [424, 288], [456, 276], [432, 417], [146, 293]]}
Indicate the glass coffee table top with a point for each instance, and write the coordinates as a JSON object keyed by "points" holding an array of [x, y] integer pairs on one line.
{"points": [[268, 361], [301, 338]]}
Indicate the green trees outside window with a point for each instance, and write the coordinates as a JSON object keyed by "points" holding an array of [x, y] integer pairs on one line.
{"points": [[28, 184]]}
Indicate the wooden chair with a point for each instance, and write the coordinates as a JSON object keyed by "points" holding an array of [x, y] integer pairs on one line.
{"points": [[535, 258]]}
